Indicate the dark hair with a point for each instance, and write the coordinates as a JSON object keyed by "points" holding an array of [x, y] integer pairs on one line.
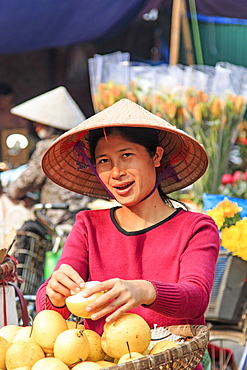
{"points": [[5, 89], [147, 137]]}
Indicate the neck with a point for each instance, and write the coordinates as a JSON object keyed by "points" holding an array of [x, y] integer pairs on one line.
{"points": [[144, 214]]}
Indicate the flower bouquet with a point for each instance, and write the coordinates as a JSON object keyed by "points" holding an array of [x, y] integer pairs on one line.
{"points": [[232, 228], [213, 122], [207, 102], [234, 185]]}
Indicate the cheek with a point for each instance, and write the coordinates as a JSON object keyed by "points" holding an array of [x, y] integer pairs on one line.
{"points": [[103, 175]]}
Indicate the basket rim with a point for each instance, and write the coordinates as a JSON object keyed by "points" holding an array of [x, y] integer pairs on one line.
{"points": [[198, 343]]}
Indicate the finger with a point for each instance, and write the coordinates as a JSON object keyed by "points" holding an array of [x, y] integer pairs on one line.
{"points": [[106, 310], [54, 295], [58, 287], [69, 278], [118, 313], [100, 287]]}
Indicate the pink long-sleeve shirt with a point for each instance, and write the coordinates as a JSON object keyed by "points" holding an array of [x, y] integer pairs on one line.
{"points": [[178, 255]]}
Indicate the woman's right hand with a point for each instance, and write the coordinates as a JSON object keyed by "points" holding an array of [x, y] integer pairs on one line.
{"points": [[64, 280]]}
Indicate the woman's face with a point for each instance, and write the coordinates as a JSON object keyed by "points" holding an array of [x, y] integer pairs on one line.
{"points": [[43, 131], [126, 168]]}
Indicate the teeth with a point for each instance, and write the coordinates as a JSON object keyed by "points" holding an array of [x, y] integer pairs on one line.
{"points": [[124, 186]]}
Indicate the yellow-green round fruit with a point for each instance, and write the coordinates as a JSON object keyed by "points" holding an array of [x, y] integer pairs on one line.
{"points": [[74, 325], [77, 304], [50, 363], [24, 332], [24, 352], [162, 346], [131, 328], [47, 325], [4, 345], [87, 365], [71, 346], [96, 352], [104, 363], [9, 331], [129, 357]]}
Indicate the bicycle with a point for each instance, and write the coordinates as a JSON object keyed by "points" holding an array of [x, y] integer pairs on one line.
{"points": [[226, 315], [37, 240]]}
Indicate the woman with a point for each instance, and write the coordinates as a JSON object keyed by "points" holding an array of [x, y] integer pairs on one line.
{"points": [[152, 258], [52, 113]]}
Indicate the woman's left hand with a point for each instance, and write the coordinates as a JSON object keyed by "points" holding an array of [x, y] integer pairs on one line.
{"points": [[121, 296]]}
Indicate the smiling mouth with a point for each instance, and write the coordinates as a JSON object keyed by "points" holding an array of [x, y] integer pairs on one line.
{"points": [[125, 186]]}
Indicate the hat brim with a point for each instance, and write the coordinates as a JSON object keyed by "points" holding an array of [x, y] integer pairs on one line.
{"points": [[186, 158]]}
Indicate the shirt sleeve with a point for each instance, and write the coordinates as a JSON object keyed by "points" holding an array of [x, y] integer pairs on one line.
{"points": [[189, 297]]}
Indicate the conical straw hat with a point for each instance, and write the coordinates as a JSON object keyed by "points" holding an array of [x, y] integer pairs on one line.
{"points": [[54, 108], [184, 156]]}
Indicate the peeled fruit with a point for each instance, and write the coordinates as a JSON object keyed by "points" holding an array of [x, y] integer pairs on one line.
{"points": [[96, 352], [162, 346], [47, 325], [49, 363], [24, 332], [87, 365], [130, 328], [74, 325], [77, 304], [71, 346], [8, 331], [24, 352], [4, 345], [129, 357], [104, 363]]}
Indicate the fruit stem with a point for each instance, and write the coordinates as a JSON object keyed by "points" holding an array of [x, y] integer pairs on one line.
{"points": [[128, 348], [74, 363]]}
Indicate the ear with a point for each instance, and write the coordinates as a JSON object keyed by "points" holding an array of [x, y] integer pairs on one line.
{"points": [[158, 156]]}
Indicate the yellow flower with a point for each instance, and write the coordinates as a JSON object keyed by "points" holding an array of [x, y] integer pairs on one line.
{"points": [[234, 239], [224, 209], [217, 215]]}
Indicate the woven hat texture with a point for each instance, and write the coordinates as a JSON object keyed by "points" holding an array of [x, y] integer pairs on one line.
{"points": [[183, 155], [54, 108]]}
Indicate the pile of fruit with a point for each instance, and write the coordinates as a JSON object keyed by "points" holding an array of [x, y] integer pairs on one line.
{"points": [[53, 343]]}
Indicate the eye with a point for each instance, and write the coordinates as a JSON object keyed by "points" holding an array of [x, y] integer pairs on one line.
{"points": [[126, 155], [102, 161]]}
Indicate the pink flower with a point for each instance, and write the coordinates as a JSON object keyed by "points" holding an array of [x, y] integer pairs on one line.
{"points": [[245, 176], [227, 178], [236, 176]]}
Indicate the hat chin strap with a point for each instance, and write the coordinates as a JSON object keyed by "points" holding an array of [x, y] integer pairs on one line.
{"points": [[80, 149]]}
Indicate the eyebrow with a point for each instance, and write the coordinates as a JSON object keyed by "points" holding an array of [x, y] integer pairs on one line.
{"points": [[119, 151]]}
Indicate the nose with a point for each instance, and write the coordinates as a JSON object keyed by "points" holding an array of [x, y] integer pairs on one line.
{"points": [[116, 172]]}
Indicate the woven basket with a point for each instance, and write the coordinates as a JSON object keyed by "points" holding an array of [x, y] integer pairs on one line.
{"points": [[187, 355], [30, 253]]}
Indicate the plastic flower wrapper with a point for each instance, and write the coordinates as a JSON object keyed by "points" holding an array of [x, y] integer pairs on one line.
{"points": [[233, 229], [168, 95], [142, 84], [109, 79], [214, 124]]}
